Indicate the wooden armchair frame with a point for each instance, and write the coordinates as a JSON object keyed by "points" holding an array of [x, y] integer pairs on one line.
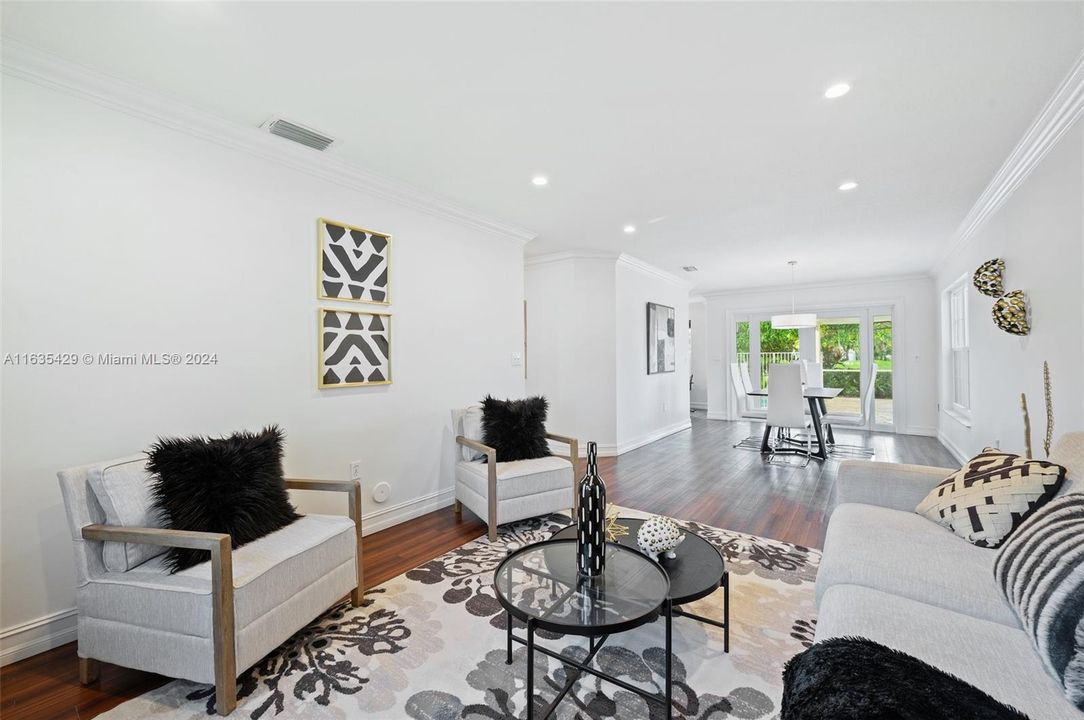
{"points": [[222, 609], [491, 458]]}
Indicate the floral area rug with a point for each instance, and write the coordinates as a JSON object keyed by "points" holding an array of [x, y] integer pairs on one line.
{"points": [[429, 645]]}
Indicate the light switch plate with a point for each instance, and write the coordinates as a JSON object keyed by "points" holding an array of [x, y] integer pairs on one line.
{"points": [[517, 359]]}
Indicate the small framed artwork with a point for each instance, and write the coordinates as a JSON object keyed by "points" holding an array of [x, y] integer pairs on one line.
{"points": [[661, 351], [354, 264], [355, 348]]}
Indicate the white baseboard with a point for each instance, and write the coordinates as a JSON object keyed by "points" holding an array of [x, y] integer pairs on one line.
{"points": [[717, 415], [384, 518], [952, 448], [698, 405], [651, 437], [919, 430], [604, 450], [45, 633]]}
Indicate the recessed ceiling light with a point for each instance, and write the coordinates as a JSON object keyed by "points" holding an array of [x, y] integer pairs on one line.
{"points": [[837, 90], [630, 229], [540, 180], [848, 185]]}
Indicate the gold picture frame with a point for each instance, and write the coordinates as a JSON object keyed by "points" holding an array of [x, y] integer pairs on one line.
{"points": [[353, 264], [353, 348]]}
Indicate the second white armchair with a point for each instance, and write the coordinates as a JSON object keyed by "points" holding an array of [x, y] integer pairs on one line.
{"points": [[503, 492]]}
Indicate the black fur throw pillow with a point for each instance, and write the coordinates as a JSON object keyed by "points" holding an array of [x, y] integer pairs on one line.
{"points": [[858, 679], [228, 485], [515, 428]]}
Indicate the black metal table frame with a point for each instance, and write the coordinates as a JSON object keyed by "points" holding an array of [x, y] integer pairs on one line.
{"points": [[667, 610], [724, 583], [596, 642]]}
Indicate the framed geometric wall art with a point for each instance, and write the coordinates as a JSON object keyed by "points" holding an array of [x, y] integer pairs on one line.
{"points": [[661, 350], [355, 348], [353, 263]]}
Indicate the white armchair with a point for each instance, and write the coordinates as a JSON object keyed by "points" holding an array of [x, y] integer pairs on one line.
{"points": [[503, 492], [213, 620]]}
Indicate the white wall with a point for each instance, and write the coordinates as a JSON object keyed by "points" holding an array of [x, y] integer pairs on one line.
{"points": [[915, 352], [1039, 232], [124, 236], [698, 362], [649, 406], [571, 345], [587, 346]]}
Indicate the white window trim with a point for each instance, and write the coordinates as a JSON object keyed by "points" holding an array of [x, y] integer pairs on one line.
{"points": [[957, 337]]}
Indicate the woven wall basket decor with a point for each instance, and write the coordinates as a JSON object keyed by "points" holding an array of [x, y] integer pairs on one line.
{"points": [[1011, 313], [988, 278]]}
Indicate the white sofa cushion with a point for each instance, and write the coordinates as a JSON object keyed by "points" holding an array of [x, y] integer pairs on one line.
{"points": [[907, 555], [266, 573], [519, 477], [123, 489], [995, 658]]}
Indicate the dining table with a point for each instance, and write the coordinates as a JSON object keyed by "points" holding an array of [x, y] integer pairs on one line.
{"points": [[816, 397]]}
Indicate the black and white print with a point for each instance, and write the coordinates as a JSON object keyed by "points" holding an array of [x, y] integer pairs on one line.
{"points": [[661, 350], [354, 263], [355, 348]]}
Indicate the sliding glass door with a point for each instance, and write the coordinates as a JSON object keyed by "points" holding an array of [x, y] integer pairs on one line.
{"points": [[846, 342], [839, 351], [882, 356], [849, 344]]}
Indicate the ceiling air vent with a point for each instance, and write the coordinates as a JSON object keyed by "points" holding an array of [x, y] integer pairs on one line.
{"points": [[297, 133], [689, 268]]}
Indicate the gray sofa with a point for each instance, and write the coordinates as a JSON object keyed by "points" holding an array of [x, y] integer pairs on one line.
{"points": [[894, 577]]}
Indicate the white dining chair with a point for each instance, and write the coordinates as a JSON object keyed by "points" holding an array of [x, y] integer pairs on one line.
{"points": [[757, 404], [859, 420], [801, 369], [814, 373], [748, 406], [785, 407]]}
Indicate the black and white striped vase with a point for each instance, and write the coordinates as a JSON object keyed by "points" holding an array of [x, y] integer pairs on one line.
{"points": [[591, 520]]}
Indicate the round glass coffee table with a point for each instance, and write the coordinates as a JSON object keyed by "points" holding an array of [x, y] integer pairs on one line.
{"points": [[540, 586], [698, 570]]}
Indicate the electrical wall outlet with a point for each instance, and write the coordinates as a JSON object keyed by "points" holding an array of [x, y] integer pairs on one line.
{"points": [[517, 359], [355, 470]]}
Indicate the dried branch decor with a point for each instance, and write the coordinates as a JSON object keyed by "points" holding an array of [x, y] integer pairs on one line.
{"points": [[1027, 425], [1048, 395]]}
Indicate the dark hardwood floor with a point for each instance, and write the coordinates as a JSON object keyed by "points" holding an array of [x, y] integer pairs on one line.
{"points": [[694, 474]]}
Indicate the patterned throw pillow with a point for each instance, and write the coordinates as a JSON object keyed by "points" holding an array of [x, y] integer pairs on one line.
{"points": [[1041, 572], [988, 498]]}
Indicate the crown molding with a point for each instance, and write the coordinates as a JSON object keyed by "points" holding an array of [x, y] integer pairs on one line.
{"points": [[567, 256], [1059, 114], [617, 258], [911, 277], [49, 71], [648, 269]]}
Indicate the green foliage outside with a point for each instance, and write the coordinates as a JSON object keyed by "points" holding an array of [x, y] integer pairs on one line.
{"points": [[849, 382], [771, 340], [835, 341]]}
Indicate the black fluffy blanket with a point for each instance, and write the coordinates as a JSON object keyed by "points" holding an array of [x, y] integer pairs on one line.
{"points": [[858, 679]]}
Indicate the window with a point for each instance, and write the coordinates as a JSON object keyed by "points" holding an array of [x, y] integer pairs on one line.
{"points": [[959, 349]]}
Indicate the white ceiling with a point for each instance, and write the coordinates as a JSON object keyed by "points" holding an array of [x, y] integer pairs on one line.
{"points": [[711, 115]]}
